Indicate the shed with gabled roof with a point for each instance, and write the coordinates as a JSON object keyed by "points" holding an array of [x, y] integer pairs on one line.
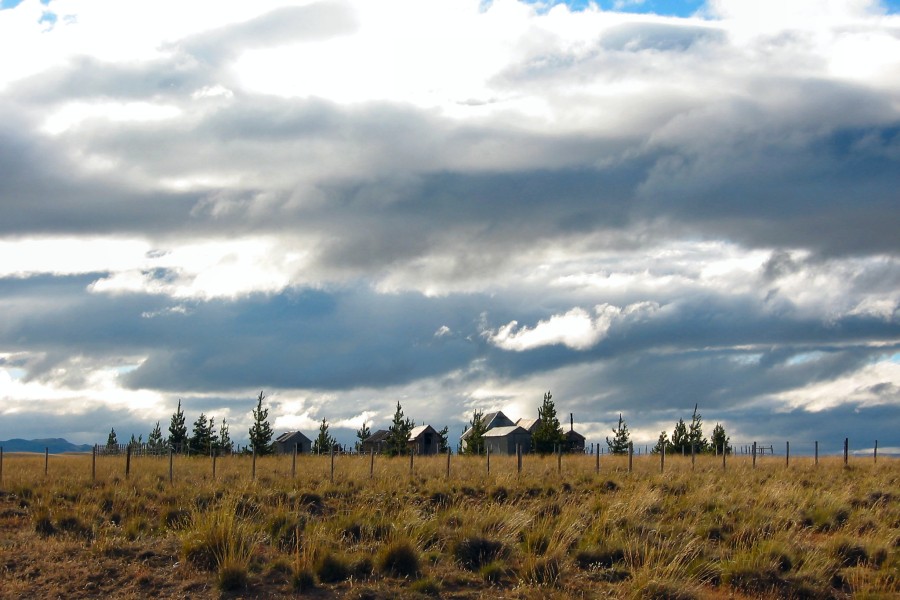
{"points": [[503, 440], [424, 439], [286, 442]]}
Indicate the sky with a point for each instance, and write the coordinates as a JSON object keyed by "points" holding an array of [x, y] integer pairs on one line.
{"points": [[457, 205]]}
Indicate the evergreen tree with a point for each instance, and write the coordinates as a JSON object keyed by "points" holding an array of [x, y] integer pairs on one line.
{"points": [[223, 442], [324, 442], [680, 443], [178, 436], [155, 441], [442, 439], [202, 435], [112, 444], [135, 442], [695, 433], [362, 434], [548, 434], [475, 436], [619, 443], [397, 442], [720, 439], [662, 443], [261, 432]]}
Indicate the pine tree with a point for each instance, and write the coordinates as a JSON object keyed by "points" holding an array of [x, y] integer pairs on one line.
{"points": [[261, 431], [680, 443], [202, 435], [548, 434], [223, 442], [135, 442], [324, 442], [662, 443], [178, 430], [397, 442], [443, 443], [155, 441], [362, 434], [619, 443], [720, 439], [112, 444], [475, 434], [695, 433]]}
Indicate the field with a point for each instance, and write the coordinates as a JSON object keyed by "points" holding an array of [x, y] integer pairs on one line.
{"points": [[803, 531]]}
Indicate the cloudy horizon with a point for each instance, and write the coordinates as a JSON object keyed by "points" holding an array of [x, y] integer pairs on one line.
{"points": [[457, 205]]}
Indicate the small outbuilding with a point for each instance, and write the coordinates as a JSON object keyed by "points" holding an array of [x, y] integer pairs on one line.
{"points": [[424, 440], [491, 420], [575, 442], [286, 442], [375, 442], [503, 440]]}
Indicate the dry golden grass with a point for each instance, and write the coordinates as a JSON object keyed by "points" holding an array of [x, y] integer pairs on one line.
{"points": [[806, 531]]}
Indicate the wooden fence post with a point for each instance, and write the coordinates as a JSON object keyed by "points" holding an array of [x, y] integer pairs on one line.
{"points": [[46, 460], [253, 467], [1, 464], [875, 453], [559, 459], [597, 459], [787, 454], [294, 462], [127, 461], [662, 459], [94, 463], [753, 451], [817, 453], [519, 459], [372, 463], [693, 456], [487, 451], [448, 462], [724, 452], [332, 463], [630, 455], [171, 470], [846, 450], [214, 454]]}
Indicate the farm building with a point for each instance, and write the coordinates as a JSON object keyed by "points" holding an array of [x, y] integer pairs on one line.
{"points": [[528, 424], [424, 440], [574, 441], [503, 440], [286, 442], [375, 442], [490, 420]]}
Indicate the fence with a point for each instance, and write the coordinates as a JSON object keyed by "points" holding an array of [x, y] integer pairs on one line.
{"points": [[745, 455]]}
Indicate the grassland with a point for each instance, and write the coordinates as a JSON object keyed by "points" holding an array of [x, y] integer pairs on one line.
{"points": [[806, 531]]}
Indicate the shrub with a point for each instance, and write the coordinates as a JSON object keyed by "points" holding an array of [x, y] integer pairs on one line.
{"points": [[400, 559], [303, 580], [332, 568], [475, 552]]}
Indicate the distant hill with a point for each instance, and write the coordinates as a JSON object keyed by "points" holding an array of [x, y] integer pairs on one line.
{"points": [[54, 445]]}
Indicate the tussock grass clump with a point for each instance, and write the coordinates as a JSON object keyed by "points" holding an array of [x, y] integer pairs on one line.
{"points": [[332, 568], [475, 552], [399, 559], [303, 580]]}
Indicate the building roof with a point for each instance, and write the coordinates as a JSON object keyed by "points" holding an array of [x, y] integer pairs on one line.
{"points": [[417, 431], [491, 420], [504, 431], [291, 436], [528, 424], [573, 435], [379, 436]]}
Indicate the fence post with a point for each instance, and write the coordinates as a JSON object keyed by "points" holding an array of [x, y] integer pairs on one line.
{"points": [[597, 458], [875, 453], [662, 459], [1, 464], [94, 463], [448, 462], [817, 453], [253, 468], [46, 459], [294, 462], [487, 452], [724, 452], [170, 467], [371, 463], [214, 455], [127, 461], [846, 450], [693, 456], [519, 459], [630, 455], [559, 459], [787, 454], [332, 463], [753, 451]]}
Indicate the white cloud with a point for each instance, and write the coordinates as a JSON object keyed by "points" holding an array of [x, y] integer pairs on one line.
{"points": [[576, 329], [876, 384]]}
